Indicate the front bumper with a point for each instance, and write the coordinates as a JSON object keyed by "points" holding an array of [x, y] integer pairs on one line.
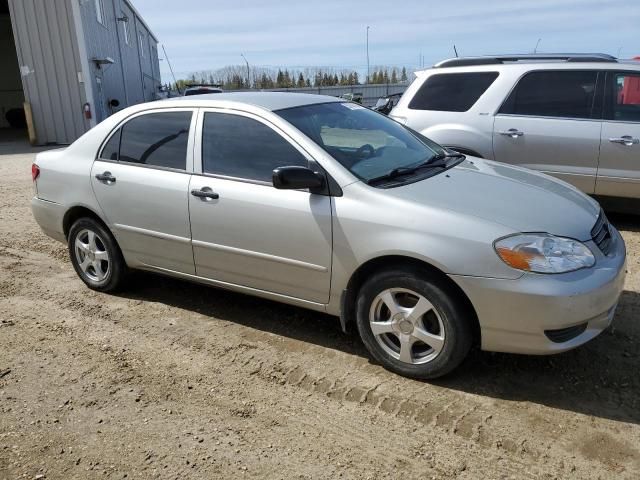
{"points": [[49, 215], [515, 314]]}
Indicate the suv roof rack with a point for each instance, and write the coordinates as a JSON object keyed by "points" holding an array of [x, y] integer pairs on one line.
{"points": [[498, 59]]}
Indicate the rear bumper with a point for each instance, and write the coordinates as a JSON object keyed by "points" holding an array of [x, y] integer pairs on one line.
{"points": [[49, 215], [524, 315]]}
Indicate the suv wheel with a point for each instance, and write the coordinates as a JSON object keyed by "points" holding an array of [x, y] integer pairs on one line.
{"points": [[95, 255], [413, 323]]}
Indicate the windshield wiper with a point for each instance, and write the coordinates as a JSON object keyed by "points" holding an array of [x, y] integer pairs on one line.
{"points": [[437, 161]]}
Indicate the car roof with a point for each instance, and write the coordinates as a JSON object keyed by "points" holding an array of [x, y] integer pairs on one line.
{"points": [[266, 100]]}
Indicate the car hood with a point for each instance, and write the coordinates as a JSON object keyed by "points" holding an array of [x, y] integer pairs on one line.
{"points": [[520, 199]]}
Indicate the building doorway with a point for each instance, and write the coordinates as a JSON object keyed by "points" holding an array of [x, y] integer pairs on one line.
{"points": [[12, 119]]}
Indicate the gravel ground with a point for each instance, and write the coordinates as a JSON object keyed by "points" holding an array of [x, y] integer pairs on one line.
{"points": [[174, 380]]}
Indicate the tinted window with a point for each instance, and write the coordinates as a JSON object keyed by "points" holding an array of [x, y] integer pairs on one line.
{"points": [[452, 92], [111, 149], [626, 96], [553, 94], [241, 147], [158, 139]]}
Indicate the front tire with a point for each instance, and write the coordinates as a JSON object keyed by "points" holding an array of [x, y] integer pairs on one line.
{"points": [[95, 255], [414, 323]]}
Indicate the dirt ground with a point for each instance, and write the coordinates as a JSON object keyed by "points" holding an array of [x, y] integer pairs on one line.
{"points": [[175, 380]]}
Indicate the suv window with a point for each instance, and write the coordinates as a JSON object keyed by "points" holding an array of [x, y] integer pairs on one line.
{"points": [[452, 92], [626, 97], [241, 147], [158, 139], [566, 94]]}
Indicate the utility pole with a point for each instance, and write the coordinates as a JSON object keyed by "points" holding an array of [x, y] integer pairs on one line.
{"points": [[368, 72], [171, 69], [248, 71]]}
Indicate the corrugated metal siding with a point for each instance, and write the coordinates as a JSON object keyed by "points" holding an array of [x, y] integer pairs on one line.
{"points": [[126, 78], [47, 50]]}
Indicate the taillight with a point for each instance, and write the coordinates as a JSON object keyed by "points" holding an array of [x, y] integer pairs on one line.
{"points": [[35, 171]]}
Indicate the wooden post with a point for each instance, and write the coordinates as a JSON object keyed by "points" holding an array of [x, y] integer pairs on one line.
{"points": [[28, 114]]}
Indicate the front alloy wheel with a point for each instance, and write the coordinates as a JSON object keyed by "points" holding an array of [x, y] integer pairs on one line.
{"points": [[407, 326], [414, 322]]}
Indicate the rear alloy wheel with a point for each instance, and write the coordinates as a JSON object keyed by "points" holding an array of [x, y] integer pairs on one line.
{"points": [[413, 323], [95, 255]]}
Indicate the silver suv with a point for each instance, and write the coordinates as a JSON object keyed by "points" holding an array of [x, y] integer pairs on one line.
{"points": [[574, 116]]}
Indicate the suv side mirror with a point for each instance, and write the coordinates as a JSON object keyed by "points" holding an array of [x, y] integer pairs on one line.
{"points": [[294, 178]]}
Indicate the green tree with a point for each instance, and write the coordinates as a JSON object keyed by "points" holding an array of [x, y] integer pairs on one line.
{"points": [[308, 82], [403, 75], [394, 76], [300, 80], [356, 80]]}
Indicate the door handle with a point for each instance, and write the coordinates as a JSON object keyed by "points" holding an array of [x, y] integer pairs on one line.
{"points": [[106, 177], [627, 140], [205, 193], [512, 132]]}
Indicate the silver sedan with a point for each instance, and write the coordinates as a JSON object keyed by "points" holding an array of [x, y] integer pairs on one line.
{"points": [[319, 202]]}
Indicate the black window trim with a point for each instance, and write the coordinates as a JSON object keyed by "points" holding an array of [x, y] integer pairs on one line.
{"points": [[188, 163], [607, 104], [426, 79], [199, 157], [600, 78]]}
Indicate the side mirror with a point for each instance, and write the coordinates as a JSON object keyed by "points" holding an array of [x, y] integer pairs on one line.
{"points": [[295, 178]]}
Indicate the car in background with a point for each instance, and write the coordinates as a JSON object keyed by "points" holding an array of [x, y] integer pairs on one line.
{"points": [[356, 97], [322, 203], [202, 90], [384, 105], [573, 116]]}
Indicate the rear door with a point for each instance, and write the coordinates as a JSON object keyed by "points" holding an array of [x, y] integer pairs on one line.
{"points": [[619, 168], [551, 122], [246, 232], [141, 181]]}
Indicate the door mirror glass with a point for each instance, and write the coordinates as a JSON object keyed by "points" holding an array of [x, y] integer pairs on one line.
{"points": [[295, 178]]}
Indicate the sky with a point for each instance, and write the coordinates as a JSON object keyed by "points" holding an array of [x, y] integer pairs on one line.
{"points": [[202, 35]]}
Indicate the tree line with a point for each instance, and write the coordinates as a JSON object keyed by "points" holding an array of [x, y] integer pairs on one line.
{"points": [[237, 77]]}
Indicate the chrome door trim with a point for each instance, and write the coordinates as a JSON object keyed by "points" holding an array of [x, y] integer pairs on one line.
{"points": [[239, 288], [151, 233], [263, 256]]}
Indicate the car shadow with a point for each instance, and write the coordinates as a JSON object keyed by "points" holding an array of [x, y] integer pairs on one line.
{"points": [[599, 378]]}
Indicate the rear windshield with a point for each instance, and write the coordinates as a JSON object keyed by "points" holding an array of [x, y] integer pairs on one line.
{"points": [[452, 92]]}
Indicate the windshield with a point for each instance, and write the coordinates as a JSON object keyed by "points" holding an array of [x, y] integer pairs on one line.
{"points": [[368, 144]]}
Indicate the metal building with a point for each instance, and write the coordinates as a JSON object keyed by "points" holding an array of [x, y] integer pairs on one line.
{"points": [[72, 63]]}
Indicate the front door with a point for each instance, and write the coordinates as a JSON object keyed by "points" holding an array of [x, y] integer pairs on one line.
{"points": [[551, 122], [619, 168], [244, 231], [141, 182]]}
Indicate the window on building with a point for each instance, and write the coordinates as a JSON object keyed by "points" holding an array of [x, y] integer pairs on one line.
{"points": [[100, 11], [626, 97], [125, 29], [452, 92], [556, 93], [241, 147], [141, 42], [158, 139]]}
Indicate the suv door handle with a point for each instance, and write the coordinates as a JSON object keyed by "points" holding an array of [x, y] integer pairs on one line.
{"points": [[205, 193], [106, 177], [512, 132], [627, 140]]}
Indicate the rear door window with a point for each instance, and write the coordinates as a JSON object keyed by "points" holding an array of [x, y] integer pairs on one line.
{"points": [[555, 93], [155, 139], [452, 92], [625, 98]]}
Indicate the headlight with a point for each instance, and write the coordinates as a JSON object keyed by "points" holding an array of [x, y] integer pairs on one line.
{"points": [[544, 253]]}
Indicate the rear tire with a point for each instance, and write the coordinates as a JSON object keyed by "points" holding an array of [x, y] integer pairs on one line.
{"points": [[95, 255], [414, 323]]}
